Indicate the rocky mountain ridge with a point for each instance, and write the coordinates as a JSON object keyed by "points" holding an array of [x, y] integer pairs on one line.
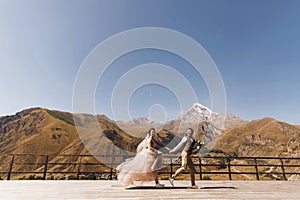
{"points": [[43, 131]]}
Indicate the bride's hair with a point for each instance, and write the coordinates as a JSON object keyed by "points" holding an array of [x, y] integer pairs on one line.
{"points": [[151, 129], [143, 144]]}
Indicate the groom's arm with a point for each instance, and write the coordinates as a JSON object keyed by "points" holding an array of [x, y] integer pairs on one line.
{"points": [[180, 145]]}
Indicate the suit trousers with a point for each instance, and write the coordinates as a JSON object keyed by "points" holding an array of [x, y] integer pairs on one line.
{"points": [[186, 161]]}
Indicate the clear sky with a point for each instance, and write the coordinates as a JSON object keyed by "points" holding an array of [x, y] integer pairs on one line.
{"points": [[254, 43]]}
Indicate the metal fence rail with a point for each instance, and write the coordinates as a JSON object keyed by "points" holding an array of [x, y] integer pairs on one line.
{"points": [[224, 165]]}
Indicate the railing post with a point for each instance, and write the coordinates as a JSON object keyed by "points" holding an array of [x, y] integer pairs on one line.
{"points": [[256, 169], [45, 168], [10, 167], [200, 168], [110, 173], [113, 157], [171, 166], [283, 171], [78, 169], [229, 168]]}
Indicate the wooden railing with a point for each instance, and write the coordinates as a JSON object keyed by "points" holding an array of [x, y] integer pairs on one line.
{"points": [[221, 165]]}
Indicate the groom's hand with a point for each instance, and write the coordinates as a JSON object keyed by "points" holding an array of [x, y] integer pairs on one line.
{"points": [[168, 148]]}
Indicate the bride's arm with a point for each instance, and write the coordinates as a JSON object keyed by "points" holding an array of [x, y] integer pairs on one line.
{"points": [[149, 145]]}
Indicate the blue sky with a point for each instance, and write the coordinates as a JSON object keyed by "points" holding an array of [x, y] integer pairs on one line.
{"points": [[255, 45]]}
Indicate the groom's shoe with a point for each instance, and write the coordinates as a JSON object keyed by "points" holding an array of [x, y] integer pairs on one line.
{"points": [[194, 187], [159, 185], [171, 180]]}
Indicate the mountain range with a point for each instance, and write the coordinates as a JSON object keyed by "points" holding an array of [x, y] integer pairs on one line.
{"points": [[44, 131]]}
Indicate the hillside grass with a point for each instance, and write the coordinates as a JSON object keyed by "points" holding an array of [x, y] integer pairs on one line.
{"points": [[66, 117]]}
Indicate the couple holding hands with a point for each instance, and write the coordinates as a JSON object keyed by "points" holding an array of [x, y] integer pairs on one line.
{"points": [[148, 160]]}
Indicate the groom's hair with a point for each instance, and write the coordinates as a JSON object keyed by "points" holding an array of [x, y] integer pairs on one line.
{"points": [[192, 130]]}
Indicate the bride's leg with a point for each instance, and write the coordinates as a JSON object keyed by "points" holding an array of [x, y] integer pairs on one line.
{"points": [[157, 183], [155, 177]]}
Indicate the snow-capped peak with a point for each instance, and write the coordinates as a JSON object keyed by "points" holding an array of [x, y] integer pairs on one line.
{"points": [[200, 108], [195, 114], [205, 112]]}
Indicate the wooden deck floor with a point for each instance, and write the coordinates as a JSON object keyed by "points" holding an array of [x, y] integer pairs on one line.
{"points": [[110, 190]]}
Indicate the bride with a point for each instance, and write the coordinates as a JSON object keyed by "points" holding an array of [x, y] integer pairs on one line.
{"points": [[145, 164]]}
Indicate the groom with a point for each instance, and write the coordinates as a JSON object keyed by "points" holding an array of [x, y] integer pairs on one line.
{"points": [[187, 144]]}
